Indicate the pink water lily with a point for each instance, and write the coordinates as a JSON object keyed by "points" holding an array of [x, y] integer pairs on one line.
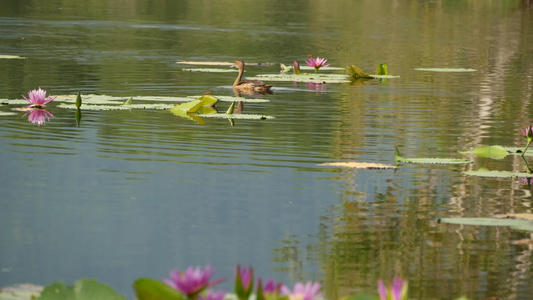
{"points": [[38, 98], [308, 291], [244, 281], [317, 63], [395, 291], [192, 281], [38, 116], [212, 295], [528, 133], [296, 67], [271, 287]]}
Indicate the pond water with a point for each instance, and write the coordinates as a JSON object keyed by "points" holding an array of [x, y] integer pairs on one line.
{"points": [[131, 194]]}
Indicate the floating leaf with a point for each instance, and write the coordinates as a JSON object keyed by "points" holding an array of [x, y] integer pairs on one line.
{"points": [[210, 70], [188, 107], [237, 116], [497, 152], [6, 113], [208, 100], [522, 216], [445, 69], [219, 63], [148, 289], [302, 77], [358, 165], [129, 102], [84, 289], [513, 223], [118, 107], [484, 172], [11, 57], [431, 160]]}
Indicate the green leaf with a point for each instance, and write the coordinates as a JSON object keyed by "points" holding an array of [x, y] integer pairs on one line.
{"points": [[210, 70], [84, 289], [237, 116], [303, 77], [129, 101], [117, 107], [484, 172], [429, 160], [513, 223], [231, 108], [189, 107], [355, 71], [78, 100], [208, 100], [20, 292], [148, 289], [11, 57], [77, 114], [382, 69], [497, 152]]}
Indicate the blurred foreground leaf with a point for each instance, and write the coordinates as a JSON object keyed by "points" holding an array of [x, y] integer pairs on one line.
{"points": [[148, 289], [84, 289]]}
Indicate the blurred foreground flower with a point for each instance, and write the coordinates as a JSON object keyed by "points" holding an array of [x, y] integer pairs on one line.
{"points": [[528, 133], [244, 281], [38, 116], [192, 281], [307, 291], [38, 98], [212, 295], [395, 291], [317, 63]]}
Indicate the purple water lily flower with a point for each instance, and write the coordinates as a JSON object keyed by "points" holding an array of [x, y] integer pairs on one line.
{"points": [[38, 98], [528, 133], [526, 180], [212, 295], [396, 291], [317, 63], [301, 291], [244, 281], [38, 116], [192, 281], [271, 287]]}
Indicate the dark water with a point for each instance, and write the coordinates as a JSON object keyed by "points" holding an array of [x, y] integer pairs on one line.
{"points": [[136, 193]]}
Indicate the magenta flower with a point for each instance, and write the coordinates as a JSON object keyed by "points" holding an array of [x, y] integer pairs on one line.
{"points": [[212, 295], [244, 281], [528, 133], [192, 281], [38, 116], [396, 291], [38, 98], [296, 67], [271, 287], [307, 291], [317, 63], [526, 180]]}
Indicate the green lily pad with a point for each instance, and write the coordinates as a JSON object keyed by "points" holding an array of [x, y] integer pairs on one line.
{"points": [[303, 77], [430, 160], [239, 99], [6, 113], [513, 223], [445, 69], [237, 116], [84, 289], [117, 107], [148, 289], [356, 72], [188, 107], [484, 172], [11, 57], [210, 70], [497, 152]]}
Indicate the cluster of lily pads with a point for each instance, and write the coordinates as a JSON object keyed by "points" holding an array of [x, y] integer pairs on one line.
{"points": [[196, 284]]}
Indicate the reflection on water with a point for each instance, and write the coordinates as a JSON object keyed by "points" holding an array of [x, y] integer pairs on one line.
{"points": [[125, 194]]}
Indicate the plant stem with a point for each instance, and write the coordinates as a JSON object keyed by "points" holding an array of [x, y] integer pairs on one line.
{"points": [[527, 146]]}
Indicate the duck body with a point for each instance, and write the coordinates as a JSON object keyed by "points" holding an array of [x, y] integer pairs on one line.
{"points": [[249, 85]]}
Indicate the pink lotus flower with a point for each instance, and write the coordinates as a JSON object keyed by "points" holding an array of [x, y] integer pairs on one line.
{"points": [[528, 133], [38, 116], [244, 281], [212, 295], [396, 291], [38, 98], [317, 63], [192, 281], [271, 287], [307, 291]]}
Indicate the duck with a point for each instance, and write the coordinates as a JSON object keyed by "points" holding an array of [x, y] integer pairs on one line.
{"points": [[248, 86]]}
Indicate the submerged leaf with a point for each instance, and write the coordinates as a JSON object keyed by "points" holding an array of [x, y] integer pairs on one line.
{"points": [[359, 165], [484, 172], [513, 223]]}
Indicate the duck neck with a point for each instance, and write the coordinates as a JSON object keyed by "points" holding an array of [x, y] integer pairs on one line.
{"points": [[239, 77]]}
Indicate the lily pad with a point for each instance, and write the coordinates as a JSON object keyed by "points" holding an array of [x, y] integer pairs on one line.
{"points": [[303, 77], [117, 107], [356, 72], [209, 70], [20, 292], [237, 116], [497, 152], [219, 63], [513, 223], [84, 289], [6, 113], [484, 172], [430, 160], [445, 69], [358, 165], [11, 57]]}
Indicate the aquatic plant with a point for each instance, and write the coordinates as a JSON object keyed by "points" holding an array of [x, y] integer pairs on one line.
{"points": [[397, 290], [296, 67], [38, 116], [38, 98], [212, 295], [528, 133], [192, 281], [317, 63], [244, 281], [308, 291]]}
